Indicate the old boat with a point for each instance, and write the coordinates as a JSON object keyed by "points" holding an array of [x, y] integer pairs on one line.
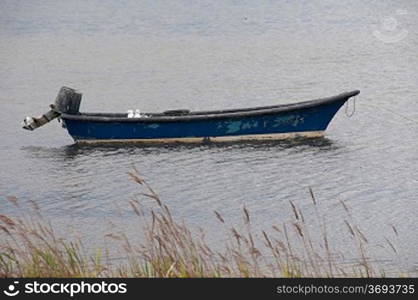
{"points": [[307, 119]]}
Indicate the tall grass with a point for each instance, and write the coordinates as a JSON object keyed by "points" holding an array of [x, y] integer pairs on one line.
{"points": [[170, 248]]}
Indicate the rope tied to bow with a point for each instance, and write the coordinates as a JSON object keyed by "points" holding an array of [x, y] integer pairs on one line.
{"points": [[347, 113]]}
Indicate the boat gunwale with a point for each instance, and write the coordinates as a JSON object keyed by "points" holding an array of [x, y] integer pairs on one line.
{"points": [[208, 115]]}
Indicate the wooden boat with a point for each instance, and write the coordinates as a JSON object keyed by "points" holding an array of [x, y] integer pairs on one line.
{"points": [[307, 119]]}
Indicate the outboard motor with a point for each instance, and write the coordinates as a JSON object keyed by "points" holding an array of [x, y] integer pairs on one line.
{"points": [[67, 102]]}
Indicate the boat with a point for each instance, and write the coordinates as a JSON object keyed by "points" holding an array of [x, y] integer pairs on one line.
{"points": [[301, 119]]}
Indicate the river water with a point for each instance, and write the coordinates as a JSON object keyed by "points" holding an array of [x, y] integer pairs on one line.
{"points": [[200, 55]]}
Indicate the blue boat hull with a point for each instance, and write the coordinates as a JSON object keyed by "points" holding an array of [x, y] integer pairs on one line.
{"points": [[300, 121]]}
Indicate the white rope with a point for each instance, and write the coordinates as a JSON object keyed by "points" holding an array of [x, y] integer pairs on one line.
{"points": [[354, 108]]}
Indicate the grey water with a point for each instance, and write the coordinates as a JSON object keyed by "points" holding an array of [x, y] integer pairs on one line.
{"points": [[200, 55]]}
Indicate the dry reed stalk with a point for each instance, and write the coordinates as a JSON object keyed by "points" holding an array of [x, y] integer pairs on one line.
{"points": [[169, 248]]}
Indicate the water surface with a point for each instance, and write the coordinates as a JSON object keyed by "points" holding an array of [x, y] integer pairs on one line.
{"points": [[160, 55]]}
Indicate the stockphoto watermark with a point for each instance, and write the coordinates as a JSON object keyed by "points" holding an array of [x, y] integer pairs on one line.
{"points": [[390, 29], [71, 288]]}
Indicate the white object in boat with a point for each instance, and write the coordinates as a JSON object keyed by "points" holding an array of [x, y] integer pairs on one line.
{"points": [[130, 113], [137, 113]]}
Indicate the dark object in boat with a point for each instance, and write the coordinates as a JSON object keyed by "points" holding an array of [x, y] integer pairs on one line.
{"points": [[177, 112]]}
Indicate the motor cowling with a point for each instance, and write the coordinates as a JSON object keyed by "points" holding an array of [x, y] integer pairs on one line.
{"points": [[68, 101]]}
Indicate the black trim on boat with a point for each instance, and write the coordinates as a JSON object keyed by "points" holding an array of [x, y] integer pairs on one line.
{"points": [[184, 115]]}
